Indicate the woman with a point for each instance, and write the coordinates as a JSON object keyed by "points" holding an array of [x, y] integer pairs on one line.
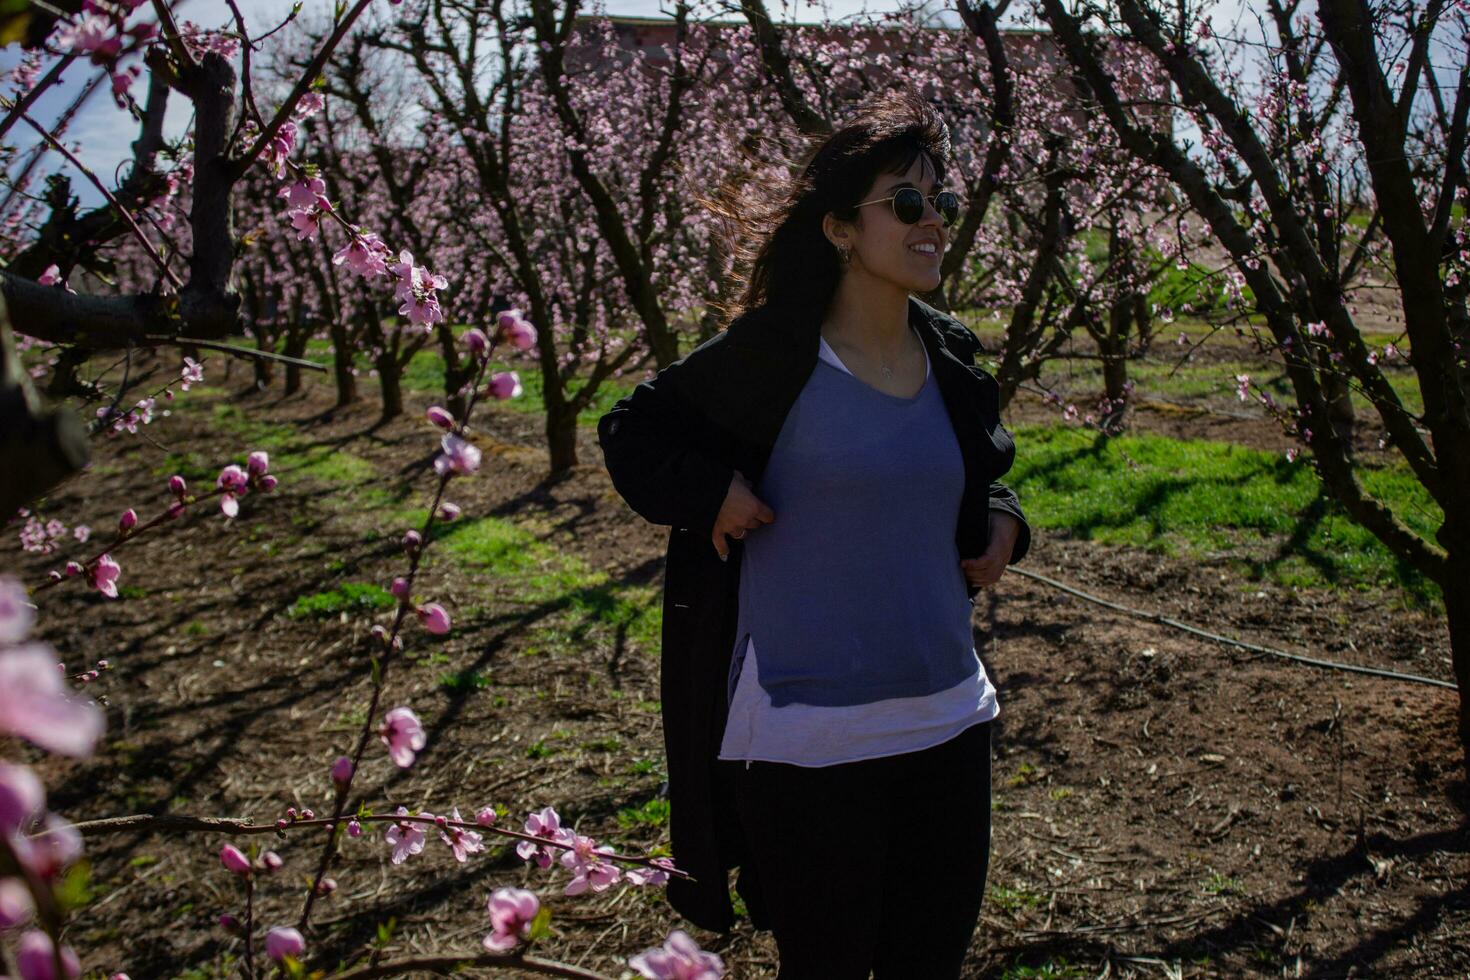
{"points": [[828, 464]]}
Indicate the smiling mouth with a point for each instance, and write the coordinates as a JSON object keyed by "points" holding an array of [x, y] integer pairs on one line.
{"points": [[925, 248]]}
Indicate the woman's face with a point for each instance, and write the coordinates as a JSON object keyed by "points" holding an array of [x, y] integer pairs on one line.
{"points": [[884, 248]]}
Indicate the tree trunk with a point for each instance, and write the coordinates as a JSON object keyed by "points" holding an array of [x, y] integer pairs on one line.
{"points": [[1339, 403], [264, 369], [561, 437], [295, 347], [390, 381], [1456, 587], [342, 365]]}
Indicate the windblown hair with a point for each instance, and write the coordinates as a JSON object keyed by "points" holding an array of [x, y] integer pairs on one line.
{"points": [[782, 257]]}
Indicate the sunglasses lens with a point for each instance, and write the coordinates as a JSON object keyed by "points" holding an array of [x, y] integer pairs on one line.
{"points": [[947, 203], [908, 205]]}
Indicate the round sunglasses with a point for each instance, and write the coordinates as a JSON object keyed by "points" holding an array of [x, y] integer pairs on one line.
{"points": [[908, 205]]}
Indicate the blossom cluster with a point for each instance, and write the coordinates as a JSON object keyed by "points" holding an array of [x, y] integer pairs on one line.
{"points": [[36, 705]]}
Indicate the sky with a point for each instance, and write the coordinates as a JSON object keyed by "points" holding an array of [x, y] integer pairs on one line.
{"points": [[105, 132]]}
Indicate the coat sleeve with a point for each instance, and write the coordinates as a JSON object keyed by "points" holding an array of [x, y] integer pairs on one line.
{"points": [[655, 445], [1002, 497]]}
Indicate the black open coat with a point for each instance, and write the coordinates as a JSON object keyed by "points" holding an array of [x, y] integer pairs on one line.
{"points": [[671, 448]]}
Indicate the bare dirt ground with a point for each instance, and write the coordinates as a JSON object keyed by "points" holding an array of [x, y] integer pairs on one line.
{"points": [[1164, 806]]}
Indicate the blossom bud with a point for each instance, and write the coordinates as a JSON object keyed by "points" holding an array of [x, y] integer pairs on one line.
{"points": [[399, 588], [128, 520], [441, 820], [268, 483], [440, 417], [16, 904], [326, 886], [229, 923], [271, 861], [103, 665], [411, 541], [474, 338], [291, 813], [73, 568], [503, 385], [354, 829], [434, 618], [283, 941], [485, 816], [54, 575], [176, 485], [257, 463], [308, 814], [36, 955], [449, 511], [174, 510], [282, 824], [234, 860], [342, 771]]}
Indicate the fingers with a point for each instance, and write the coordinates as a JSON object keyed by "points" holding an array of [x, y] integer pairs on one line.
{"points": [[721, 548]]}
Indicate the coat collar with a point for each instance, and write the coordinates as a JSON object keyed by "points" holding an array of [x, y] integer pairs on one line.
{"points": [[933, 327]]}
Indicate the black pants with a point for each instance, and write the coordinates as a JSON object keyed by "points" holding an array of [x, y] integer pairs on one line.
{"points": [[872, 866]]}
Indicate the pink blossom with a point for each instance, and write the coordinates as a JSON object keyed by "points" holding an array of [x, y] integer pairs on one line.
{"points": [[354, 829], [234, 482], [404, 736], [679, 958], [283, 941], [434, 618], [516, 330], [439, 417], [399, 588], [407, 838], [52, 850], [35, 958], [545, 824], [504, 385], [191, 373], [342, 771], [22, 797], [16, 905], [586, 861], [234, 860], [474, 338], [177, 486], [412, 540], [461, 841], [307, 223], [656, 874], [86, 34], [485, 816], [460, 457], [511, 910], [258, 462], [423, 311], [1318, 329], [16, 611], [449, 511], [128, 520], [35, 704], [270, 860], [365, 255], [309, 105], [104, 576], [305, 193], [51, 277]]}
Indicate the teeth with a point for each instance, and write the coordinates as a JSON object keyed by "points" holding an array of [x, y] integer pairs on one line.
{"points": [[924, 248]]}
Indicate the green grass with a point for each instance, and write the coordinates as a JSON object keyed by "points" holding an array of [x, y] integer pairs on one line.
{"points": [[543, 575], [654, 813], [349, 596], [295, 456], [1197, 498]]}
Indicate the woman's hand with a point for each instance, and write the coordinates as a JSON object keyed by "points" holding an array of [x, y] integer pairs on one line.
{"points": [[985, 571], [742, 511]]}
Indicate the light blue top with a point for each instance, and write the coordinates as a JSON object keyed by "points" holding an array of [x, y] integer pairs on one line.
{"points": [[807, 735], [855, 592]]}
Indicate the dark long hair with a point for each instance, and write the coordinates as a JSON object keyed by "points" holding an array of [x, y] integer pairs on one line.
{"points": [[782, 257]]}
